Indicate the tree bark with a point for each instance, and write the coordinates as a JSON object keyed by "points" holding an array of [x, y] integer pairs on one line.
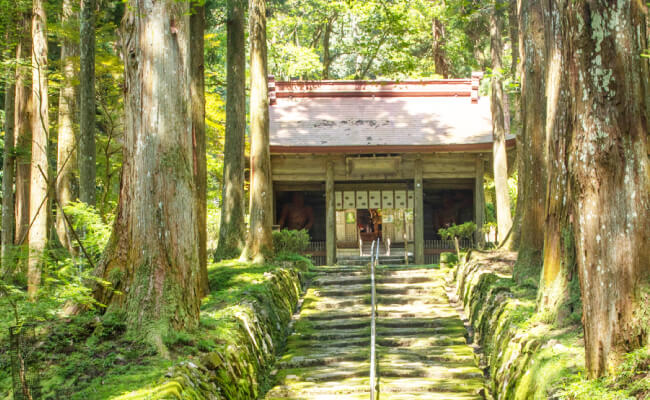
{"points": [[87, 151], [559, 266], [532, 139], [327, 57], [152, 259], [23, 128], [66, 140], [609, 177], [498, 105], [259, 244], [232, 229], [197, 87], [439, 55], [38, 208], [8, 168]]}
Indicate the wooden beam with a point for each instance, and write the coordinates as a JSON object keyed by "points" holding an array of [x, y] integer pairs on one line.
{"points": [[479, 199], [418, 213], [330, 201]]}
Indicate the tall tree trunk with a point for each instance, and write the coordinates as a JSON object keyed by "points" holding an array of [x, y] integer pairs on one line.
{"points": [[512, 242], [66, 152], [8, 168], [498, 103], [559, 266], [152, 259], [40, 122], [609, 177], [259, 243], [439, 55], [532, 139], [327, 57], [197, 88], [232, 230], [87, 151], [23, 127]]}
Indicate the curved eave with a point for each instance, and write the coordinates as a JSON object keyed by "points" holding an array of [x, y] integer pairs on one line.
{"points": [[370, 149]]}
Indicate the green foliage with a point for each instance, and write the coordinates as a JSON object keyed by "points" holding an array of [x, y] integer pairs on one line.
{"points": [[290, 241], [462, 231]]}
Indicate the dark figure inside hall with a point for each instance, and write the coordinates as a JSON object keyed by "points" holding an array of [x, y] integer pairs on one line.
{"points": [[296, 215]]}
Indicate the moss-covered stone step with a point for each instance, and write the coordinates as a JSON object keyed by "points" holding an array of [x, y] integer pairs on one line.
{"points": [[341, 280], [395, 368], [334, 315], [344, 290], [420, 322], [431, 299], [296, 341], [299, 359], [386, 278], [429, 396], [420, 341], [407, 331], [348, 389], [463, 387], [338, 371], [341, 269], [338, 323], [450, 355]]}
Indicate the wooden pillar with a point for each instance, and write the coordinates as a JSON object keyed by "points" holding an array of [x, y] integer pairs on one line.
{"points": [[330, 216], [418, 213], [479, 200]]}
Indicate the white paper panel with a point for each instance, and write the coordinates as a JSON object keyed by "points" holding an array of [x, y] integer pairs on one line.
{"points": [[387, 199], [348, 200], [338, 196], [362, 199], [411, 199], [400, 199], [374, 200]]}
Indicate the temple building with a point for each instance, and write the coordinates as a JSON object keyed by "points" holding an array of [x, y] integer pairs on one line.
{"points": [[353, 161]]}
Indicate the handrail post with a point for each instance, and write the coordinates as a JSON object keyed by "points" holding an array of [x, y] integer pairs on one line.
{"points": [[374, 258]]}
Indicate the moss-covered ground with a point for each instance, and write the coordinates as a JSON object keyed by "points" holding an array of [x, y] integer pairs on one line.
{"points": [[90, 356]]}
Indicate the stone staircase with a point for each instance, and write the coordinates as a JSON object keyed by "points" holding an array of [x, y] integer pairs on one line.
{"points": [[421, 348]]}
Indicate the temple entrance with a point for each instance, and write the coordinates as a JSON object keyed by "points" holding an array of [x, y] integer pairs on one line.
{"points": [[369, 224]]}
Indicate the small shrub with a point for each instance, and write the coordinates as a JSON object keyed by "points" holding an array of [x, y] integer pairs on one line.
{"points": [[290, 241], [448, 259]]}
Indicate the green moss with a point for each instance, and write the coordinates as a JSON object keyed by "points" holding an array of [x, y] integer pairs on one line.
{"points": [[527, 357], [243, 324]]}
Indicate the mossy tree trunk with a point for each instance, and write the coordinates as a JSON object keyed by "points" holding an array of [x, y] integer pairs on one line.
{"points": [[558, 266], [199, 160], [23, 127], [66, 139], [609, 176], [512, 242], [532, 139], [232, 229], [87, 151], [152, 259], [8, 169], [40, 122], [499, 125], [259, 243]]}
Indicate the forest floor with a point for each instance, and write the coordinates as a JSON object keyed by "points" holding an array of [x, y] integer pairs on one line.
{"points": [[90, 356]]}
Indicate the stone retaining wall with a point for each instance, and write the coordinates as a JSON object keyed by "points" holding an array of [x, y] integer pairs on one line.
{"points": [[238, 370], [524, 358]]}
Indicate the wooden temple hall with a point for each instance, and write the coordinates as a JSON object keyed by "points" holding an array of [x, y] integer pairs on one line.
{"points": [[353, 161]]}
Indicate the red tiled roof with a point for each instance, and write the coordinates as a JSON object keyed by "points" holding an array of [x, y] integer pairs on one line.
{"points": [[338, 115]]}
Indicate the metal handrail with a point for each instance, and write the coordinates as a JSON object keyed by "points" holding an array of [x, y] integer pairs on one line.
{"points": [[374, 259]]}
